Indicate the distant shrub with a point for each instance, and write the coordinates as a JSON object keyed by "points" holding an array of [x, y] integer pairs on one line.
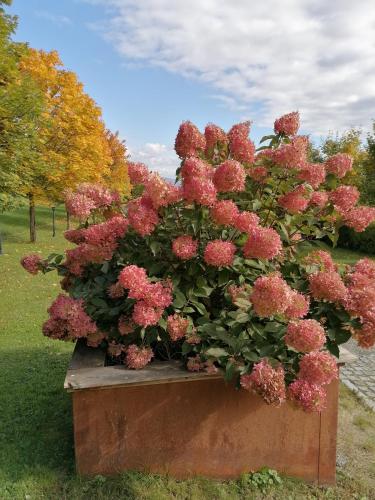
{"points": [[361, 242]]}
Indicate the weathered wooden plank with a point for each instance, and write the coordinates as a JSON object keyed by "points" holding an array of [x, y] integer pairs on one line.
{"points": [[86, 357], [158, 372]]}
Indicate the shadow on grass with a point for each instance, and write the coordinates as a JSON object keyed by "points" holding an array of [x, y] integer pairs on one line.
{"points": [[36, 430]]}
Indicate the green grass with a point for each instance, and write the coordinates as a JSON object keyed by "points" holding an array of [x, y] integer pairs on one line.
{"points": [[36, 442]]}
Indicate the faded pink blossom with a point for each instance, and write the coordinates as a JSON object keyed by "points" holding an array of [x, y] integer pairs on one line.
{"points": [[195, 167], [160, 192], [365, 336], [299, 306], [142, 216], [339, 164], [327, 285], [291, 155], [344, 197], [266, 381], [133, 278], [295, 201], [287, 124], [262, 243], [310, 397], [194, 364], [242, 149], [32, 263], [313, 173], [271, 295], [200, 190], [125, 325], [114, 349], [322, 259], [229, 177], [116, 290], [305, 335], [258, 173], [76, 236], [145, 315], [236, 292], [319, 199], [184, 247], [177, 326], [318, 367], [68, 319], [246, 221], [189, 141], [241, 130], [138, 357], [224, 212], [359, 218], [219, 253], [214, 135], [138, 173], [79, 205]]}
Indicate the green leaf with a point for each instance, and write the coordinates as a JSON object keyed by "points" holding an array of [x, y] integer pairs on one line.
{"points": [[216, 352], [266, 138], [180, 299]]}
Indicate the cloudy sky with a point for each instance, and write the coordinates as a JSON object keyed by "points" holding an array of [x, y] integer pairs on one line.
{"points": [[152, 63]]}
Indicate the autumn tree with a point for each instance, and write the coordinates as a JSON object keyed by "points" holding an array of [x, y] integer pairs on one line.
{"points": [[368, 187], [74, 143], [21, 105], [118, 177]]}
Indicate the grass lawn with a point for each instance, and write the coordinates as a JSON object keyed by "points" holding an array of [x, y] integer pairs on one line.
{"points": [[36, 445]]}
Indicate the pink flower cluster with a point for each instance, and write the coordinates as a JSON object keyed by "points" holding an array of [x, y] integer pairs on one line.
{"points": [[224, 212], [305, 335], [327, 285], [189, 141], [87, 198], [318, 367], [142, 216], [219, 253], [359, 218], [214, 135], [262, 243], [152, 298], [125, 325], [361, 301], [195, 167], [310, 397], [229, 177], [68, 320], [138, 173], [160, 192], [291, 155], [177, 326], [313, 173], [138, 357], [246, 221], [339, 164], [319, 199], [99, 243], [241, 147], [184, 247], [287, 124], [295, 201], [344, 197], [32, 263], [298, 307], [199, 189], [270, 295], [322, 259], [266, 381]]}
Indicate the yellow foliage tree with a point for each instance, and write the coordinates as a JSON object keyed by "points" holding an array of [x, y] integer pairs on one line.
{"points": [[75, 145], [118, 178]]}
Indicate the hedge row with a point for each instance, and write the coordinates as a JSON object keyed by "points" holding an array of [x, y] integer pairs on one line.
{"points": [[362, 242]]}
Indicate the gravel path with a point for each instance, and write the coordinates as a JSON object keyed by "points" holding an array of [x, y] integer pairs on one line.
{"points": [[359, 376]]}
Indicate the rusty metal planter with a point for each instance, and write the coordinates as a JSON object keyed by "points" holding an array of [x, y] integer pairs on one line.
{"points": [[164, 419]]}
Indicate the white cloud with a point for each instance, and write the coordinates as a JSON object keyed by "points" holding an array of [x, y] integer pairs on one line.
{"points": [[266, 57], [158, 157]]}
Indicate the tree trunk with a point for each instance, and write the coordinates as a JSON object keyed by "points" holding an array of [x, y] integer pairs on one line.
{"points": [[53, 222], [67, 220], [32, 218]]}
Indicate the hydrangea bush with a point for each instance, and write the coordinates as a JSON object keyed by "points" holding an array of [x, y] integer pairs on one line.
{"points": [[223, 269]]}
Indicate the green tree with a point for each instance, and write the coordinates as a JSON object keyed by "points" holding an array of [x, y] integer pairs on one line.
{"points": [[21, 106], [368, 187]]}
